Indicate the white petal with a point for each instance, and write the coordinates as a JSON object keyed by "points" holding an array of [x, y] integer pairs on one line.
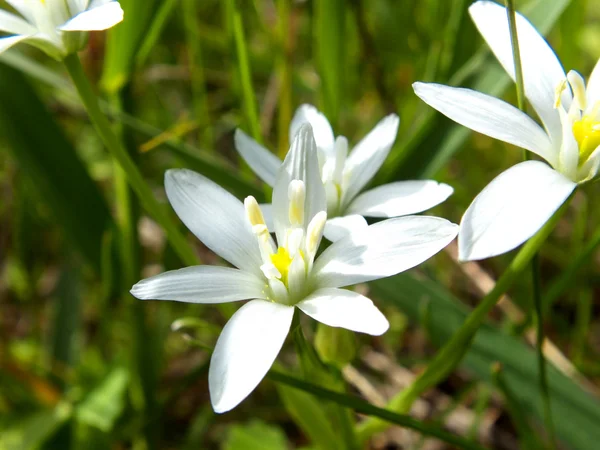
{"points": [[400, 199], [339, 227], [201, 284], [77, 6], [383, 249], [368, 155], [542, 71], [264, 163], [267, 210], [590, 168], [215, 216], [301, 163], [321, 128], [593, 86], [569, 151], [13, 24], [345, 309], [23, 8], [95, 19], [8, 42], [245, 351], [488, 115], [511, 209]]}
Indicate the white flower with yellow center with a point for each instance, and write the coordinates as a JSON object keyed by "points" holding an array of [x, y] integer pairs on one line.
{"points": [[515, 205], [57, 26], [278, 276], [345, 174]]}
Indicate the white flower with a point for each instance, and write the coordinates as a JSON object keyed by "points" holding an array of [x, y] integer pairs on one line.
{"points": [[277, 278], [346, 174], [57, 26], [515, 205]]}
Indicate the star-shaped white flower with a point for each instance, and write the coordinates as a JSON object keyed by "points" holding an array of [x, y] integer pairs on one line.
{"points": [[515, 205], [57, 26], [344, 174], [278, 277]]}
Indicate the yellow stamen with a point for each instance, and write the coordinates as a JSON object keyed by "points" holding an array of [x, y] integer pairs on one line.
{"points": [[578, 86], [558, 93], [587, 135], [282, 260], [253, 212]]}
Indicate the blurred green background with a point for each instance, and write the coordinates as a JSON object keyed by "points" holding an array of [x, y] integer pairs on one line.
{"points": [[83, 365]]}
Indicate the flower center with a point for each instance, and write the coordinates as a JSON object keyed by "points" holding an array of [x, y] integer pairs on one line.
{"points": [[587, 135], [286, 267]]}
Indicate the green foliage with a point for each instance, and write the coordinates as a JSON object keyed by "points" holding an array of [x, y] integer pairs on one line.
{"points": [[86, 366]]}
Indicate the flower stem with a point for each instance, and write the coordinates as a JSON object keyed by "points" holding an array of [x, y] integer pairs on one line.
{"points": [[118, 151], [451, 354], [535, 263]]}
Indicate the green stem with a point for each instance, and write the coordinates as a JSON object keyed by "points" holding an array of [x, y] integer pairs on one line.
{"points": [[245, 72], [195, 63], [512, 23], [451, 354], [535, 262], [134, 177], [363, 407]]}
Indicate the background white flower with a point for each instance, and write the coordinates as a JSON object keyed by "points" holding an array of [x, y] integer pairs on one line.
{"points": [[279, 277], [57, 26], [345, 174], [519, 201]]}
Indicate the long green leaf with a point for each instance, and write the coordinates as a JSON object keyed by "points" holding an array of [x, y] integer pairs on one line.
{"points": [[46, 156], [578, 411]]}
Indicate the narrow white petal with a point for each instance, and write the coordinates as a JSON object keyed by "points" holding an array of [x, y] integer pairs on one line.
{"points": [[267, 210], [215, 216], [322, 131], [345, 309], [400, 199], [264, 163], [201, 284], [245, 351], [8, 42], [339, 227], [511, 209], [488, 115], [593, 86], [301, 163], [590, 168], [542, 71], [23, 8], [10, 23], [368, 155], [569, 150], [95, 19], [382, 250]]}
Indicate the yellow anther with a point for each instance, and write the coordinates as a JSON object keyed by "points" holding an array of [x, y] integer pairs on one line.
{"points": [[578, 87], [314, 232], [296, 196], [558, 93], [253, 212]]}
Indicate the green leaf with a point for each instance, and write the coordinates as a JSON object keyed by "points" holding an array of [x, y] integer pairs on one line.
{"points": [[46, 156], [330, 45], [103, 406], [125, 40], [578, 411], [255, 435], [31, 432], [308, 412]]}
